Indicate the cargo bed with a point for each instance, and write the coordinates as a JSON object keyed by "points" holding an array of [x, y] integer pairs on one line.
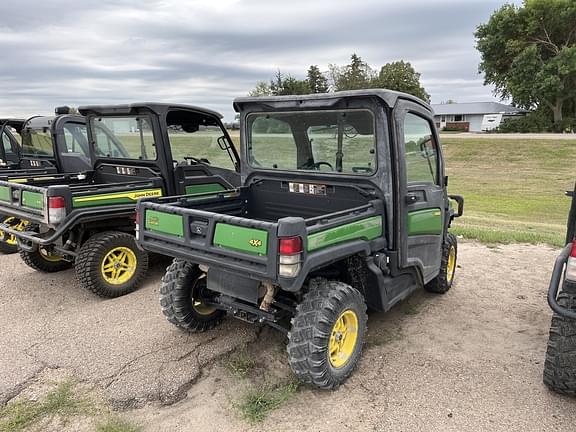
{"points": [[238, 230]]}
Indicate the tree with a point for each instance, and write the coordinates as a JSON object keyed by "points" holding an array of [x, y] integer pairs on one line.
{"points": [[401, 76], [356, 75], [317, 82], [288, 85], [529, 54], [262, 89]]}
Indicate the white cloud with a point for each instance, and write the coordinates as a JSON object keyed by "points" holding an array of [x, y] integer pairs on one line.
{"points": [[208, 52]]}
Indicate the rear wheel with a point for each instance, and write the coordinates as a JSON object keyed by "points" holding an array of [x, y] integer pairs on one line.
{"points": [[183, 285], [443, 282], [43, 261], [8, 243], [110, 264], [325, 341], [560, 363]]}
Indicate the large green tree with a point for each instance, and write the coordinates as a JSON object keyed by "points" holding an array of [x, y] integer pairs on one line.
{"points": [[316, 80], [356, 75], [401, 76], [529, 54]]}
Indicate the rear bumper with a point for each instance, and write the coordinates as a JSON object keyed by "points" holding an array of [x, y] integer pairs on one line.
{"points": [[555, 281], [28, 240]]}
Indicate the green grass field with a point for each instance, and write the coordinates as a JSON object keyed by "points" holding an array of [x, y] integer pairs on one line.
{"points": [[514, 189]]}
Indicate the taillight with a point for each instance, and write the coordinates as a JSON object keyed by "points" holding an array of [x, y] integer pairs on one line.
{"points": [[571, 264], [56, 209], [290, 258], [137, 222]]}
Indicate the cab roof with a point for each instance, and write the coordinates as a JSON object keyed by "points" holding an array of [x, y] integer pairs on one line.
{"points": [[389, 97], [16, 123], [156, 107]]}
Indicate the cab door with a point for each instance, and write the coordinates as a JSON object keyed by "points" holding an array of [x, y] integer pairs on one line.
{"points": [[71, 145], [422, 191], [203, 155]]}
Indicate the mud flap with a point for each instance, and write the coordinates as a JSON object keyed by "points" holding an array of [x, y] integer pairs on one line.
{"points": [[232, 285]]}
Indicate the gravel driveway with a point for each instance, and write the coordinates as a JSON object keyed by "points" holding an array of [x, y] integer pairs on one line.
{"points": [[470, 360]]}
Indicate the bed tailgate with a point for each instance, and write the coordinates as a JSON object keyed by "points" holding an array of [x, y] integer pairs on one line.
{"points": [[231, 242], [23, 201]]}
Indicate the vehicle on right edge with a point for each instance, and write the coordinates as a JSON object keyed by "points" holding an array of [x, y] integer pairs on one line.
{"points": [[343, 207], [560, 363]]}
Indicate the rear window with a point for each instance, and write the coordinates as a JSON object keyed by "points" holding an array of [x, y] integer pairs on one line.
{"points": [[128, 137], [37, 142], [342, 141]]}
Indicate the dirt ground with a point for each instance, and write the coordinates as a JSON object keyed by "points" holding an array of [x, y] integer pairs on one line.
{"points": [[470, 360]]}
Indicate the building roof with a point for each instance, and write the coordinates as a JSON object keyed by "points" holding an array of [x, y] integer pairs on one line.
{"points": [[475, 108]]}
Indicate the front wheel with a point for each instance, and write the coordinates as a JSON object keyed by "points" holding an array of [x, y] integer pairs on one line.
{"points": [[183, 286], [110, 264], [443, 282], [325, 341]]}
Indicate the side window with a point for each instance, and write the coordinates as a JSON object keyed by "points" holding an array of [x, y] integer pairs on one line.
{"points": [[76, 138], [421, 150], [124, 138], [272, 144], [198, 138]]}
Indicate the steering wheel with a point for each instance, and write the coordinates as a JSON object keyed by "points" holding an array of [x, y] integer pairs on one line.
{"points": [[317, 165]]}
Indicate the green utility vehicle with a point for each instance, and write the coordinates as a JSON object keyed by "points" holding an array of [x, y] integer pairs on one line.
{"points": [[38, 148], [560, 363], [343, 206], [87, 218]]}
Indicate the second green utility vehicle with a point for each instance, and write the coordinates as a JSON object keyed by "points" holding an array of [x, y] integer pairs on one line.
{"points": [[87, 219], [343, 207]]}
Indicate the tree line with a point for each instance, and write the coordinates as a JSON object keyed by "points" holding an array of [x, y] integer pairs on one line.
{"points": [[358, 74]]}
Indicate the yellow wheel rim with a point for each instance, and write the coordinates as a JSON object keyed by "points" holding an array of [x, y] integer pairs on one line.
{"points": [[119, 265], [199, 307], [202, 309], [343, 339], [13, 223], [46, 256], [451, 268]]}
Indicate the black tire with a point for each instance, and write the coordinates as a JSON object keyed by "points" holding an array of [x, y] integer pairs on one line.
{"points": [[97, 249], [42, 261], [7, 248], [560, 363], [313, 327], [178, 290], [443, 282]]}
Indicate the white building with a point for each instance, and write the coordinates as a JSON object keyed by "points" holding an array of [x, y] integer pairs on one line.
{"points": [[473, 116]]}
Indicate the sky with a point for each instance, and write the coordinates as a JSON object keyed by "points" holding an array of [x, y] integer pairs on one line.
{"points": [[206, 53]]}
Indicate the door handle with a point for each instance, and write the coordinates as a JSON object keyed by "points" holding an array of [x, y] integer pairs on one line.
{"points": [[412, 198]]}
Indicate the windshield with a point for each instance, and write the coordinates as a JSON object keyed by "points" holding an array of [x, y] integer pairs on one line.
{"points": [[340, 141], [127, 137], [37, 142]]}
